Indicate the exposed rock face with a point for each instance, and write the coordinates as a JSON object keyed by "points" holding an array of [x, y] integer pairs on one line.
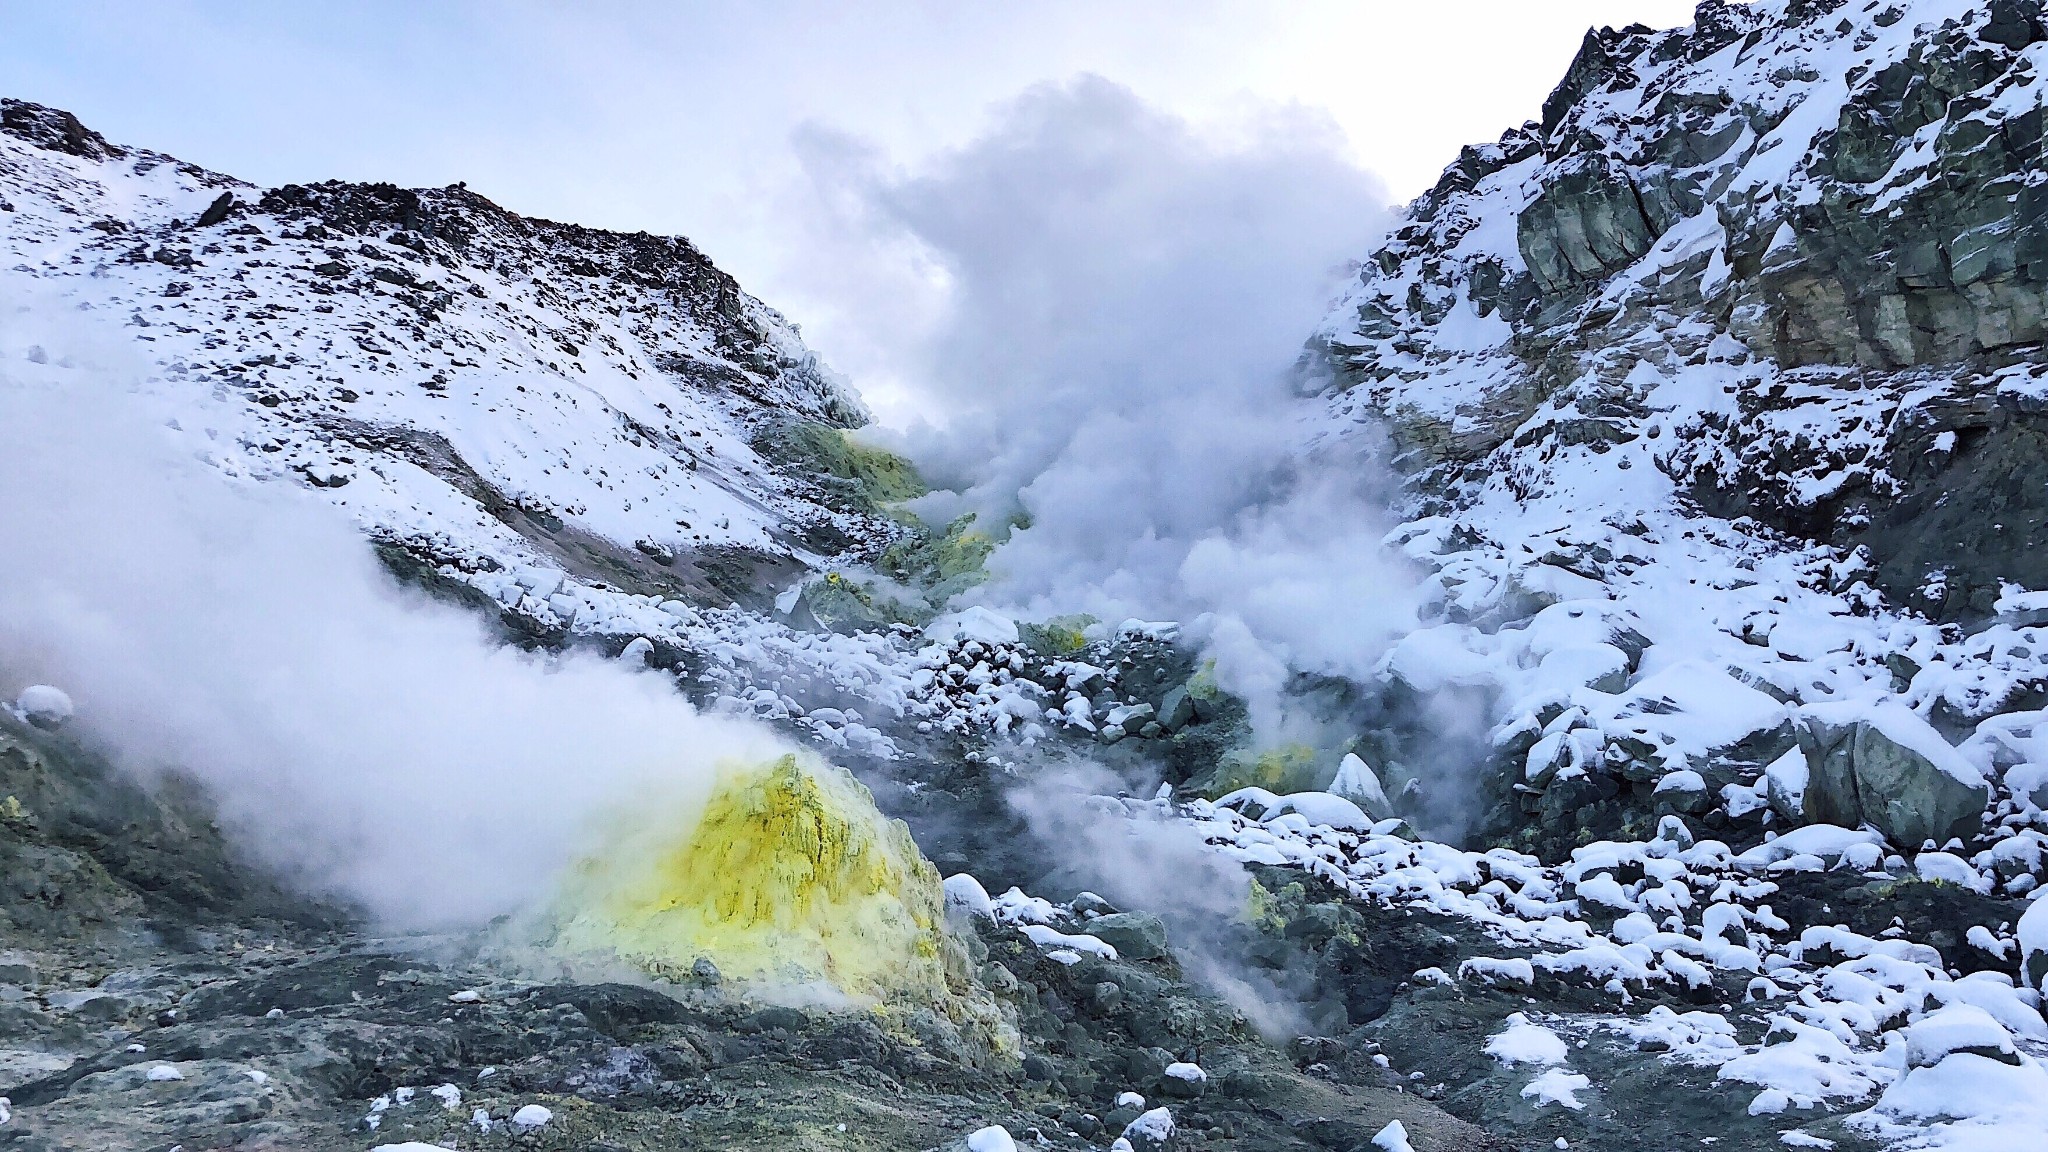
{"points": [[1134, 935], [1848, 200], [1860, 775]]}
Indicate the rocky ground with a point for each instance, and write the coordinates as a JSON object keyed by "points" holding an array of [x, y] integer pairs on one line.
{"points": [[155, 995]]}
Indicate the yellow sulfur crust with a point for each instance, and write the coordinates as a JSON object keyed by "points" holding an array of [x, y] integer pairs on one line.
{"points": [[789, 876]]}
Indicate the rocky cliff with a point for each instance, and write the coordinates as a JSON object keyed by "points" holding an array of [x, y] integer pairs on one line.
{"points": [[1844, 206]]}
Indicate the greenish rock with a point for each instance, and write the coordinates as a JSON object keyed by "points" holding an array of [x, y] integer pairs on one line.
{"points": [[1134, 935], [1176, 710], [861, 475], [1060, 637], [1858, 775], [1137, 717], [1289, 768], [1106, 997], [1908, 243], [846, 605], [1586, 223], [943, 563]]}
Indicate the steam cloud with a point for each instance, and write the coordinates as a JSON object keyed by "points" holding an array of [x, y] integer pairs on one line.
{"points": [[1164, 867], [372, 741], [1106, 305]]}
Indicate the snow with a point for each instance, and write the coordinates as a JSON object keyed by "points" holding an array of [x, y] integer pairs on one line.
{"points": [[1325, 810], [164, 1073], [966, 893], [1052, 938], [1825, 841], [1525, 1043], [1392, 1138], [1557, 1086], [1494, 970], [994, 1138], [1186, 1072]]}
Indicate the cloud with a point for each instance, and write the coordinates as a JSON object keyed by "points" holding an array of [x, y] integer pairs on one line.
{"points": [[1110, 305], [368, 740]]}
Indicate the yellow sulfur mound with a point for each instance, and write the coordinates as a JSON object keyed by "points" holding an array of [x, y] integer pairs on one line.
{"points": [[790, 876]]}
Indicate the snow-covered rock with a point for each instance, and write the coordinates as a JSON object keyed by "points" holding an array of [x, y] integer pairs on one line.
{"points": [[44, 706], [966, 893]]}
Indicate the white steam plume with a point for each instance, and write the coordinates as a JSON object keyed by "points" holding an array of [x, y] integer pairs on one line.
{"points": [[1164, 867], [1114, 301], [369, 740]]}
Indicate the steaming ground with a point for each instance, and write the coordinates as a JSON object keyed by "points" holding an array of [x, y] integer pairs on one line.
{"points": [[1102, 303], [371, 742]]}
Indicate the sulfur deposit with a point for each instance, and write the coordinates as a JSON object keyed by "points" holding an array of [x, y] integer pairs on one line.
{"points": [[790, 877]]}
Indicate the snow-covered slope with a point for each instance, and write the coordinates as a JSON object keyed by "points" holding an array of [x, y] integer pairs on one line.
{"points": [[478, 387], [1841, 204], [1722, 388]]}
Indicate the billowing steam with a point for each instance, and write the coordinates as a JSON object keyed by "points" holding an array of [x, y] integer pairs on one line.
{"points": [[375, 743], [1105, 304]]}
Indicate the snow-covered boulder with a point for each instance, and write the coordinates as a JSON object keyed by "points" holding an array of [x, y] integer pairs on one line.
{"points": [[976, 623], [1315, 807], [1134, 935], [1882, 765], [1958, 1028], [965, 893], [1785, 781], [1358, 783]]}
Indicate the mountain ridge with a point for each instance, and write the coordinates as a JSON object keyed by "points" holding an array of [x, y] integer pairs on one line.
{"points": [[375, 307]]}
